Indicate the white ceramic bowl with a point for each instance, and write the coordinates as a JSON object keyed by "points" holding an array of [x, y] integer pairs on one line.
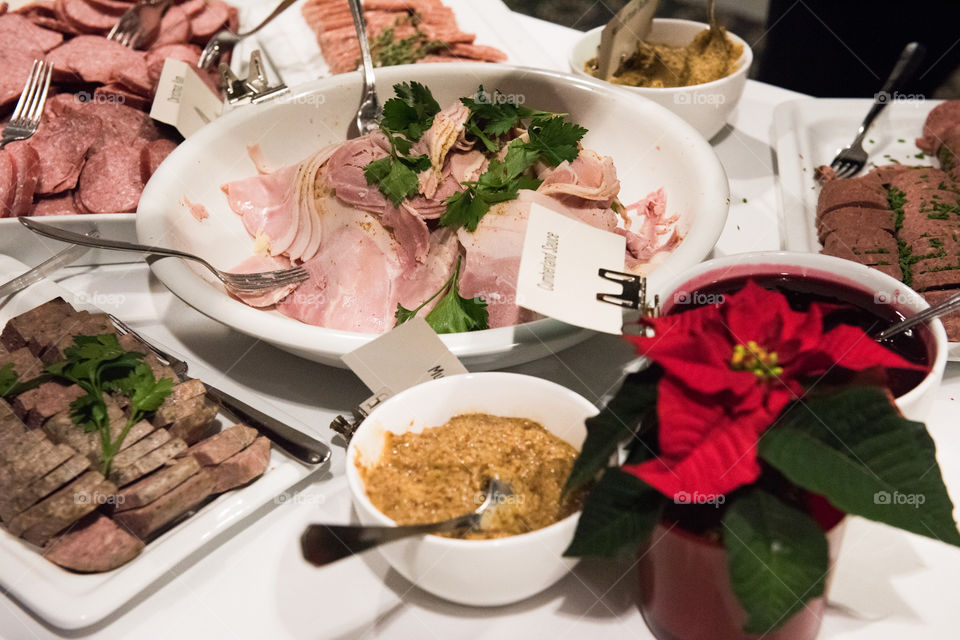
{"points": [[473, 572], [659, 150], [706, 106], [916, 403]]}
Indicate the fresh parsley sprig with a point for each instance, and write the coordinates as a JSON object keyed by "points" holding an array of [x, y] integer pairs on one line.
{"points": [[453, 313], [8, 379], [551, 140], [98, 365], [493, 116], [405, 119]]}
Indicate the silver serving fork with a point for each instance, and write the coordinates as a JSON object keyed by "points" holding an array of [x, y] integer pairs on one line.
{"points": [[25, 119], [224, 41], [242, 283], [369, 111], [851, 160], [295, 442], [140, 23]]}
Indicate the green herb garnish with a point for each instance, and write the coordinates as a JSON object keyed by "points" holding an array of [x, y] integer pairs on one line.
{"points": [[491, 117], [453, 313], [8, 379], [101, 365]]}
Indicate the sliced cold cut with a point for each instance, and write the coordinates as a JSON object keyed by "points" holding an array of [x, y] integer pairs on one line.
{"points": [[27, 164], [62, 143], [242, 467], [152, 154], [145, 520], [97, 544], [144, 491], [110, 181], [95, 59]]}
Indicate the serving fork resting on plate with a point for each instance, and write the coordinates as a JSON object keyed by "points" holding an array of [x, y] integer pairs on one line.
{"points": [[140, 23], [224, 41], [851, 160], [296, 443]]}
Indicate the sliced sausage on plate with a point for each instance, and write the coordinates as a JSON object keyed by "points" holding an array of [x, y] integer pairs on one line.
{"points": [[110, 181]]}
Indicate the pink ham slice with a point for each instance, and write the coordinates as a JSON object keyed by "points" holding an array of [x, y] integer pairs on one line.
{"points": [[267, 207], [650, 230], [589, 177], [256, 264], [345, 173]]}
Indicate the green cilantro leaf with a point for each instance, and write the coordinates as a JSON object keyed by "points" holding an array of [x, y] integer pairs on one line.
{"points": [[411, 112], [394, 178], [555, 140], [148, 392], [464, 209], [453, 313]]}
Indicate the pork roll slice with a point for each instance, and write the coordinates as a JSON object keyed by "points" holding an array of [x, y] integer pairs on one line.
{"points": [[95, 545], [855, 218], [157, 484], [146, 520], [866, 192], [242, 467], [221, 446]]}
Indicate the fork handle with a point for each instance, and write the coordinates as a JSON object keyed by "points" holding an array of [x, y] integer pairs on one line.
{"points": [[273, 14], [906, 67], [101, 243], [369, 81]]}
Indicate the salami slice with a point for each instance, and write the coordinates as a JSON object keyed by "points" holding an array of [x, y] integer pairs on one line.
{"points": [[155, 58], [15, 65], [174, 28], [118, 94], [114, 7], [153, 154], [8, 184], [110, 182], [213, 18], [85, 17], [122, 125], [27, 165], [58, 205], [95, 59], [20, 30], [62, 143]]}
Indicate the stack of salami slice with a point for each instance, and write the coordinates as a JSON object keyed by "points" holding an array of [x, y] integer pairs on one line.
{"points": [[96, 146], [331, 21]]}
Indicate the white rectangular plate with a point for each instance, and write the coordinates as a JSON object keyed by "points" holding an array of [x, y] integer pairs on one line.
{"points": [[70, 600], [809, 133]]}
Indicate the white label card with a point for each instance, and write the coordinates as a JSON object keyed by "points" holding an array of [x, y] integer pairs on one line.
{"points": [[183, 99], [406, 356], [558, 270]]}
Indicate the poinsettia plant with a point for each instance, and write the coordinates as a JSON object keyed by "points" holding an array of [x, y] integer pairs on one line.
{"points": [[733, 412]]}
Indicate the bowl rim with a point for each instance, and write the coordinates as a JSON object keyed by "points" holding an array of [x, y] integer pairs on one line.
{"points": [[745, 61], [841, 269], [359, 494], [291, 334]]}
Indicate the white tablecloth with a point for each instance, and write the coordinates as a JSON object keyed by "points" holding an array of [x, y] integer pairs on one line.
{"points": [[253, 583]]}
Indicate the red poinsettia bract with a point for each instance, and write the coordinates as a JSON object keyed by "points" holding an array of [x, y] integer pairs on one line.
{"points": [[729, 370]]}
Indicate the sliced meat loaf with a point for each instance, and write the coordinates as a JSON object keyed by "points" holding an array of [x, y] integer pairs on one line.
{"points": [[28, 457], [174, 406], [19, 330], [939, 120], [25, 364], [220, 446], [146, 520], [62, 429], [54, 341], [855, 218], [150, 462], [39, 404], [858, 244], [64, 507], [142, 447], [947, 277], [95, 545], [922, 177], [160, 482], [198, 425], [242, 467], [26, 496], [866, 192], [951, 321]]}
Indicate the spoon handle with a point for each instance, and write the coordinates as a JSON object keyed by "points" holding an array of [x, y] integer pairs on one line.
{"points": [[322, 544], [950, 304]]}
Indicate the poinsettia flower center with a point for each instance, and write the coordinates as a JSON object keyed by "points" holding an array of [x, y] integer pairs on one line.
{"points": [[756, 359]]}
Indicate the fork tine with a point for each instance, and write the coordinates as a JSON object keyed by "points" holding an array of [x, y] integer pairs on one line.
{"points": [[36, 107], [25, 96]]}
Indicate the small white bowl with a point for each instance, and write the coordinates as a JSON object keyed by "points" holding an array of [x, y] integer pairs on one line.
{"points": [[706, 106], [916, 403], [473, 572]]}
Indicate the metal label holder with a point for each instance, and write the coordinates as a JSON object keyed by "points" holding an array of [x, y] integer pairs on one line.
{"points": [[254, 87]]}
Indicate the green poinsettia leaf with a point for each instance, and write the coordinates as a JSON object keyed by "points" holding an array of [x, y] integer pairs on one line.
{"points": [[620, 512], [778, 558], [616, 423], [854, 448]]}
